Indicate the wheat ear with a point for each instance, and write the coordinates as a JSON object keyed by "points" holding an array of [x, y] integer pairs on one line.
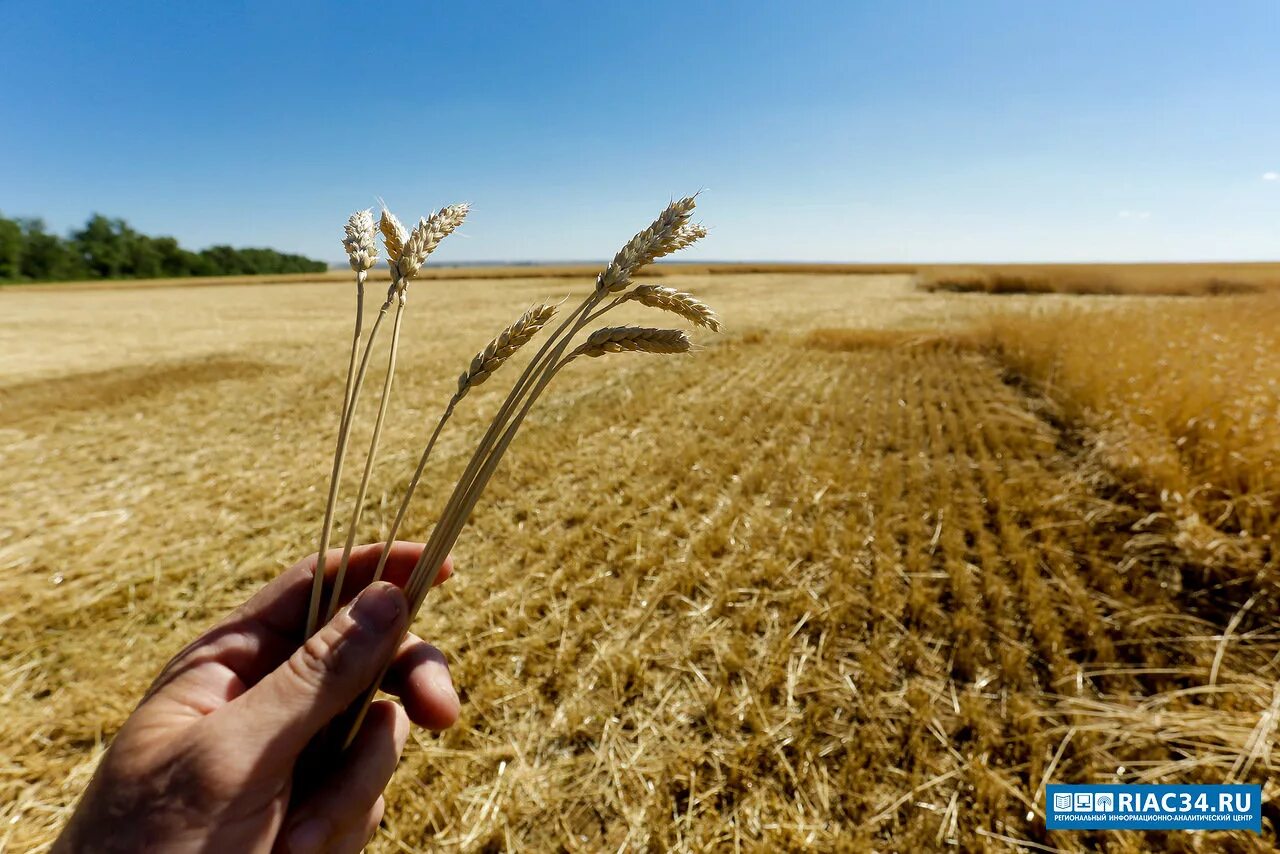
{"points": [[666, 234], [427, 235], [485, 363], [669, 299], [422, 241], [632, 339]]}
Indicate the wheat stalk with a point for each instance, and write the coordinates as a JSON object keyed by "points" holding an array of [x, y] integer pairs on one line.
{"points": [[358, 508], [359, 239]]}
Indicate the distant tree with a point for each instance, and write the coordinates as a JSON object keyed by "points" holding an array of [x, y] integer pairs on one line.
{"points": [[142, 257], [101, 246], [173, 260], [45, 256], [10, 249]]}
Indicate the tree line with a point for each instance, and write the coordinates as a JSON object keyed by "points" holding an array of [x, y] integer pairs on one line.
{"points": [[108, 248]]}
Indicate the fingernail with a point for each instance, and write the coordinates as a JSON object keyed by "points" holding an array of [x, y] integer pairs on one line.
{"points": [[309, 837], [378, 606]]}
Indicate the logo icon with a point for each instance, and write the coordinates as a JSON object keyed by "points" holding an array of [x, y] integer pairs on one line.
{"points": [[1084, 801], [1062, 801], [1104, 801]]}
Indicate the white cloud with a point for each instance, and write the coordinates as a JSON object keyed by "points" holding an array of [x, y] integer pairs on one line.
{"points": [[1271, 176], [1127, 214]]}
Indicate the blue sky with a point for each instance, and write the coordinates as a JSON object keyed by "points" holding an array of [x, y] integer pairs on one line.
{"points": [[834, 131]]}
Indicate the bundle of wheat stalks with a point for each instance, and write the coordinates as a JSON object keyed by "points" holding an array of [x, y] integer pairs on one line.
{"points": [[407, 251]]}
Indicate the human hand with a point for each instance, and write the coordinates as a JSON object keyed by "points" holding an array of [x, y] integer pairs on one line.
{"points": [[206, 761]]}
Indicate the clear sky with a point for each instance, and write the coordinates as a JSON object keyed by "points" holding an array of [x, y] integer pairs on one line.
{"points": [[839, 131]]}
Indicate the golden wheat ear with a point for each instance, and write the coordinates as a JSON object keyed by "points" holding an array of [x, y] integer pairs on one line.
{"points": [[633, 339], [358, 240], [426, 236], [678, 302], [503, 347], [670, 232]]}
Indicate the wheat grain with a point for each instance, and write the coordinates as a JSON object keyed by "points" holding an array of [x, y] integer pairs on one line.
{"points": [[503, 347], [393, 235], [426, 236], [633, 339], [685, 236], [678, 302], [358, 240]]}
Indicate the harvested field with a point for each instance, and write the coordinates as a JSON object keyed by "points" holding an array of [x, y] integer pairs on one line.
{"points": [[857, 577]]}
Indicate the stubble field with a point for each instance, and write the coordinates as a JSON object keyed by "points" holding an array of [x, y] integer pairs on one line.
{"points": [[865, 573]]}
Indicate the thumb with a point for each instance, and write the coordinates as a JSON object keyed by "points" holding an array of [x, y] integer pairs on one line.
{"points": [[277, 717]]}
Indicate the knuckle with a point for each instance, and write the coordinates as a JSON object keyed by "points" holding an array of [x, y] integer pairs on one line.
{"points": [[322, 658]]}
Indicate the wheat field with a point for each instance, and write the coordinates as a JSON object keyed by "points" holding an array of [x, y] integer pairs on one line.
{"points": [[859, 576]]}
